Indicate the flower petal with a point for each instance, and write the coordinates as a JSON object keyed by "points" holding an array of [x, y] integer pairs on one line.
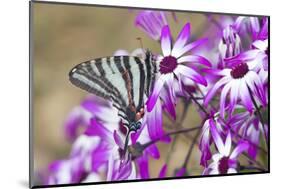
{"points": [[263, 34], [99, 107], [254, 136], [83, 144], [166, 40], [241, 147], [92, 177], [234, 93], [224, 93], [255, 26], [143, 167], [77, 118], [214, 172], [153, 151], [181, 172], [231, 171], [204, 144], [151, 22], [191, 74], [256, 86], [168, 102], [260, 90], [170, 82], [110, 168], [245, 96], [182, 39], [217, 138], [118, 140], [133, 173], [238, 22], [217, 72], [256, 63], [155, 94], [100, 156], [245, 56], [125, 172], [154, 122], [163, 171], [97, 129], [189, 47], [216, 157], [214, 89], [261, 44], [227, 146], [195, 59]]}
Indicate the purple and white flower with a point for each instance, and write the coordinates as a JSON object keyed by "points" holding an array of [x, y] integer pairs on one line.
{"points": [[231, 93], [173, 64], [225, 161], [80, 116], [230, 43], [206, 138], [151, 22], [77, 166], [250, 128], [258, 27], [241, 81]]}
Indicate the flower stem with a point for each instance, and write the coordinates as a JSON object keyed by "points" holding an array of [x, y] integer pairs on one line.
{"points": [[185, 110], [198, 104], [171, 149], [188, 155], [186, 130], [252, 160], [242, 167]]}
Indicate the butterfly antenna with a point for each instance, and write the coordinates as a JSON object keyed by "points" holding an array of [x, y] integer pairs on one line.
{"points": [[141, 44]]}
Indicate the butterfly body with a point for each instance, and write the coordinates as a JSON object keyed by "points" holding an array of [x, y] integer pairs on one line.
{"points": [[125, 80]]}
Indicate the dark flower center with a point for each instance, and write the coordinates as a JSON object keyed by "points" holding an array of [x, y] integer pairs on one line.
{"points": [[223, 165], [239, 70], [168, 64]]}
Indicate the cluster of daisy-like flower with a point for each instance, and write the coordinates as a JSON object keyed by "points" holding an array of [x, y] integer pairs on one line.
{"points": [[224, 74]]}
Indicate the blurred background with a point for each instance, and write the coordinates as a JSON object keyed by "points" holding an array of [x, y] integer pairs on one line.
{"points": [[64, 36]]}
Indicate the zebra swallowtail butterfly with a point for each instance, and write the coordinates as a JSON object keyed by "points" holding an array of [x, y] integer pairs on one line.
{"points": [[125, 80]]}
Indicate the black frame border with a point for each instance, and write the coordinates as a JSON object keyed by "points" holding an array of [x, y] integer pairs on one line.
{"points": [[31, 154]]}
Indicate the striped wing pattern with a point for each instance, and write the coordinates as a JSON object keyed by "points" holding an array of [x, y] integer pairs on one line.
{"points": [[125, 80]]}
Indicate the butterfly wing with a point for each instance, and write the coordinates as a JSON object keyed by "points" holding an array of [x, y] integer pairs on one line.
{"points": [[122, 79]]}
